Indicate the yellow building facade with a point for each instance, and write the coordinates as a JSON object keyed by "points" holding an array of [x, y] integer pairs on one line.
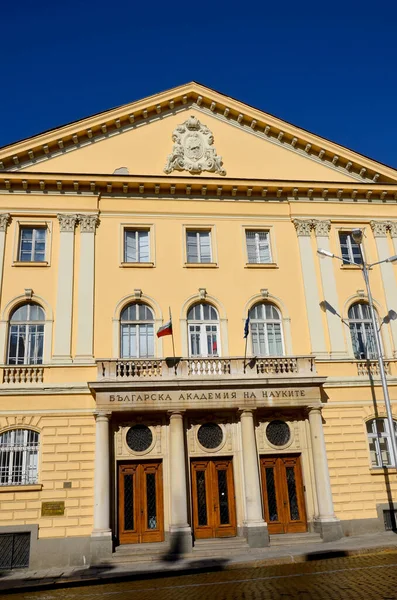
{"points": [[114, 441]]}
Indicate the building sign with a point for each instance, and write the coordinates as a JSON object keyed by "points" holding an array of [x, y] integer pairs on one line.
{"points": [[124, 399], [53, 509]]}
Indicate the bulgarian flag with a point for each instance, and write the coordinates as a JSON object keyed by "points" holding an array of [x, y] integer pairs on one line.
{"points": [[165, 329]]}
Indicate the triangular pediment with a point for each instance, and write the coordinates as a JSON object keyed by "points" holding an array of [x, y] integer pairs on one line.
{"points": [[236, 140]]}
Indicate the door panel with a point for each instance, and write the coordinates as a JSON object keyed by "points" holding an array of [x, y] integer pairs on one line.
{"points": [[214, 511], [141, 503], [283, 495]]}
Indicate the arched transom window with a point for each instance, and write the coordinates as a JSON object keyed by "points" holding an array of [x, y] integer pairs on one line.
{"points": [[19, 449], [26, 335], [379, 440], [137, 331], [266, 331], [203, 328], [361, 330]]}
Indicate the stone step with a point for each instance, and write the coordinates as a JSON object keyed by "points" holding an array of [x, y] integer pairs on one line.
{"points": [[220, 547], [292, 539]]}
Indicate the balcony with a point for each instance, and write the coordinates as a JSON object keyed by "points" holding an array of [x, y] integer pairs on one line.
{"points": [[205, 368]]}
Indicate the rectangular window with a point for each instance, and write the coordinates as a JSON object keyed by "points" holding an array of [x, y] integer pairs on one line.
{"points": [[351, 252], [32, 242], [258, 246], [198, 246], [136, 246]]}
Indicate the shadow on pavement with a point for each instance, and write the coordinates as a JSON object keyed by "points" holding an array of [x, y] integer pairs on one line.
{"points": [[326, 554]]}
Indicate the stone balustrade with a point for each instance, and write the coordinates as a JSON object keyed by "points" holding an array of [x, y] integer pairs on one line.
{"points": [[212, 367], [23, 374]]}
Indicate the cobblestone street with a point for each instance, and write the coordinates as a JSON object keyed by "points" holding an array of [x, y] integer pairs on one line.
{"points": [[366, 577]]}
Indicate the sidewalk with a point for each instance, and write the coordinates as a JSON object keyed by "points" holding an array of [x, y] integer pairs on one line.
{"points": [[24, 579]]}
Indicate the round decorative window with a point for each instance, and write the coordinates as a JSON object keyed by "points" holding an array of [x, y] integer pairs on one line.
{"points": [[210, 435], [139, 438], [278, 433]]}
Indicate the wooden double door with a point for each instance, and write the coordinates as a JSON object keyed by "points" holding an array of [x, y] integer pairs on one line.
{"points": [[213, 499], [284, 502], [141, 514]]}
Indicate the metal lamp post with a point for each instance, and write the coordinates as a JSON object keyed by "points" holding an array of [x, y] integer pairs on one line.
{"points": [[357, 235]]}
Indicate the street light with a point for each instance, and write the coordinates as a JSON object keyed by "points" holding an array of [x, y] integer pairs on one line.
{"points": [[357, 235]]}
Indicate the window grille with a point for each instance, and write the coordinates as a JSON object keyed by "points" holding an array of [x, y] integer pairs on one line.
{"points": [[137, 331], [258, 246], [26, 336], [379, 442], [390, 520], [351, 252], [19, 450], [361, 331], [198, 246], [203, 326], [266, 331], [32, 243], [136, 245], [14, 550]]}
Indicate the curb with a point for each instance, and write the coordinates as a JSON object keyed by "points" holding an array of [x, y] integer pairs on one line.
{"points": [[81, 581]]}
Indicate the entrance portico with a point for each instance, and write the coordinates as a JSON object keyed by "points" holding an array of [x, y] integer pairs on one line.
{"points": [[214, 488]]}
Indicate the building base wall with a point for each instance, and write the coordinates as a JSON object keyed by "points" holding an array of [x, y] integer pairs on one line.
{"points": [[329, 530], [61, 552]]}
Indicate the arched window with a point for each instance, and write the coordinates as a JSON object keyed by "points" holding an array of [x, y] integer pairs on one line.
{"points": [[26, 335], [203, 327], [361, 331], [379, 442], [19, 450], [266, 332], [137, 331]]}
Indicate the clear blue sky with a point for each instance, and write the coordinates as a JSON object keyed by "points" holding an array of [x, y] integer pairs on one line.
{"points": [[329, 67]]}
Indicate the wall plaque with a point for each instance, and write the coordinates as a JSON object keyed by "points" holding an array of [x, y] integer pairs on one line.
{"points": [[53, 509]]}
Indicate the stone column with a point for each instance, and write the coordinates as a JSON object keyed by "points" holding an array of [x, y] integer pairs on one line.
{"points": [[180, 530], [254, 527], [331, 302], [316, 329], [326, 521], [64, 303], [387, 270], [85, 302], [101, 537]]}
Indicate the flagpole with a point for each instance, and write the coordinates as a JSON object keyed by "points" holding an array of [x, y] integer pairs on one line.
{"points": [[246, 333], [245, 352], [172, 335]]}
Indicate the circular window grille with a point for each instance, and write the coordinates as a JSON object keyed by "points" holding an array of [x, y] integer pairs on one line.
{"points": [[210, 435], [278, 433], [139, 438]]}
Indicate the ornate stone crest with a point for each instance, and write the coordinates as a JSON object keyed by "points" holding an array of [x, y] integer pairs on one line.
{"points": [[193, 149]]}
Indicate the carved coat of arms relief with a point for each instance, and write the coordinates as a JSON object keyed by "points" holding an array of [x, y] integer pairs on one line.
{"points": [[193, 150]]}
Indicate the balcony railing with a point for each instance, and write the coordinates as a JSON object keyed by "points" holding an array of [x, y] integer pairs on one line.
{"points": [[371, 367], [23, 374], [236, 367]]}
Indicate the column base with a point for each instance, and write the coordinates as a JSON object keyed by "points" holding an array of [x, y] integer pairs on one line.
{"points": [[256, 534], [330, 530], [101, 546], [181, 541]]}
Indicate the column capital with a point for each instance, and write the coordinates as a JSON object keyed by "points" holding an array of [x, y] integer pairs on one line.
{"points": [[102, 415], [315, 410], [379, 228], [67, 222], [322, 228], [88, 223], [4, 221], [176, 413], [246, 412], [303, 226], [393, 228]]}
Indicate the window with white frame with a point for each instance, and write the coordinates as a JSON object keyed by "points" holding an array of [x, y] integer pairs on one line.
{"points": [[19, 450], [258, 246], [136, 245], [362, 331], [351, 252], [137, 331], [203, 328], [26, 335], [198, 246], [379, 441], [266, 330], [32, 244]]}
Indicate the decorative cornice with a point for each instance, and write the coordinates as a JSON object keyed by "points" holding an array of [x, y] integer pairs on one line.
{"points": [[303, 226], [88, 223], [379, 228], [67, 222], [321, 228], [4, 221]]}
